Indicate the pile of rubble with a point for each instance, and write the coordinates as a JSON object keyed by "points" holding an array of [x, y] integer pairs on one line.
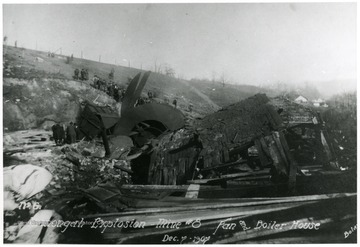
{"points": [[41, 176]]}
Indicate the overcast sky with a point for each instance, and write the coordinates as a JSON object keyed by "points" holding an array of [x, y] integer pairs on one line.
{"points": [[249, 43]]}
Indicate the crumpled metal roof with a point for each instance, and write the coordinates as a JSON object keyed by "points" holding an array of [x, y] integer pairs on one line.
{"points": [[172, 118], [94, 117]]}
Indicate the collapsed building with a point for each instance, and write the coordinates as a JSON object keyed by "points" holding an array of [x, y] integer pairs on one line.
{"points": [[270, 139], [257, 141], [190, 177]]}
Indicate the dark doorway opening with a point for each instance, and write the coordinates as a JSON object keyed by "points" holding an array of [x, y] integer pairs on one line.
{"points": [[143, 132]]}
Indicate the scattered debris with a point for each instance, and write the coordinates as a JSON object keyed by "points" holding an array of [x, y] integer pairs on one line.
{"points": [[163, 162]]}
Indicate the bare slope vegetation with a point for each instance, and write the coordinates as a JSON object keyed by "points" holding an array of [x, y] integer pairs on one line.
{"points": [[227, 94], [39, 89]]}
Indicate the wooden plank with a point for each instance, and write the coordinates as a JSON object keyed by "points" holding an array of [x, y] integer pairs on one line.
{"points": [[276, 157], [173, 172], [165, 173], [193, 191], [152, 166], [292, 163], [228, 177], [326, 146], [264, 147], [276, 137], [153, 187], [310, 167], [295, 240], [263, 160], [266, 177], [226, 157], [26, 147], [200, 204]]}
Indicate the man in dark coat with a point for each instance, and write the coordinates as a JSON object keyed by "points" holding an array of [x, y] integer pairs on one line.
{"points": [[82, 75], [76, 74], [61, 134], [55, 133], [71, 133]]}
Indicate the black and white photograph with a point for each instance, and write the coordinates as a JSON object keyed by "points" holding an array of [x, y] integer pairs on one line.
{"points": [[179, 123]]}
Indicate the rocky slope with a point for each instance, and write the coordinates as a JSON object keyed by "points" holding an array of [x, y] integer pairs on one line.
{"points": [[41, 102]]}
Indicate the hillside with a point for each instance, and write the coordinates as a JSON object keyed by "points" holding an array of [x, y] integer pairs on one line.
{"points": [[224, 95], [39, 90]]}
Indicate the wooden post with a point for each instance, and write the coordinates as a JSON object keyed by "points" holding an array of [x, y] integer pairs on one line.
{"points": [[292, 163], [280, 147], [263, 160], [105, 142], [326, 146]]}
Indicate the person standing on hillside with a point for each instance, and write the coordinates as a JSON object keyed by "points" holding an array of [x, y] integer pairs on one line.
{"points": [[71, 133], [76, 74], [111, 90], [54, 129], [96, 82], [77, 131], [111, 75], [61, 133], [86, 74], [82, 75]]}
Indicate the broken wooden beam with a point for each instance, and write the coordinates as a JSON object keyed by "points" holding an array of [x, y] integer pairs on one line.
{"points": [[74, 157], [27, 147], [292, 163], [193, 191], [230, 177]]}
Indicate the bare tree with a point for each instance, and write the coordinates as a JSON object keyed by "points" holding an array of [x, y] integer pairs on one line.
{"points": [[169, 71], [223, 79]]}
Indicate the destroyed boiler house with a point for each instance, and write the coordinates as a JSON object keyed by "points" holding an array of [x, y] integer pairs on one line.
{"points": [[180, 123], [166, 173], [257, 160], [256, 143], [253, 142]]}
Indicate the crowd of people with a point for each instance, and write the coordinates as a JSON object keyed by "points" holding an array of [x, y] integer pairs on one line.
{"points": [[65, 134], [110, 88]]}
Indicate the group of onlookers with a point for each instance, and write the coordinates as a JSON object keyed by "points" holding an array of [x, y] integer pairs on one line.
{"points": [[65, 134], [82, 75]]}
